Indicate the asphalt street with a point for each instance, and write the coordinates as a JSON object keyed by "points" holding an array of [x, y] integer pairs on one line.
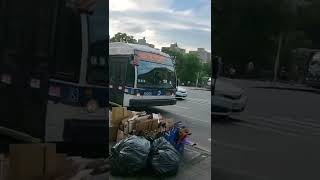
{"points": [[194, 112], [277, 137]]}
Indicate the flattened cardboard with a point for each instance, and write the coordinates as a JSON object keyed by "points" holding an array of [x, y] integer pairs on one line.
{"points": [[118, 113], [31, 161], [155, 124], [120, 135]]}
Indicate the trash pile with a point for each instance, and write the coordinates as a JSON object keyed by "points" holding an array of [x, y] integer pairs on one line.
{"points": [[145, 142]]}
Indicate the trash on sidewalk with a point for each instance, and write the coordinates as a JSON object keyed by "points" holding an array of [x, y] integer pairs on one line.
{"points": [[129, 156], [164, 158], [41, 162], [164, 149]]}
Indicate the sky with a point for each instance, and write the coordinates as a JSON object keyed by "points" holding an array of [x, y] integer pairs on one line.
{"points": [[163, 22]]}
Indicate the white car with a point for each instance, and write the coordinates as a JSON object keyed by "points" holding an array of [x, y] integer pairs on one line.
{"points": [[228, 99], [181, 93]]}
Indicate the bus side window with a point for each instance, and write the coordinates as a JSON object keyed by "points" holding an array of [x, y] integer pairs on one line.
{"points": [[122, 73], [68, 46], [130, 75]]}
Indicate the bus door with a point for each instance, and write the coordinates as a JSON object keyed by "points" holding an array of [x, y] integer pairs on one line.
{"points": [[24, 57], [117, 80]]}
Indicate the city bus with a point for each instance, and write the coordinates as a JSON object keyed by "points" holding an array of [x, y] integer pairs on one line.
{"points": [[54, 70], [140, 76], [78, 90]]}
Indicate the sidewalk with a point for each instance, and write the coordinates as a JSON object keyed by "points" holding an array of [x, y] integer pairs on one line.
{"points": [[287, 86], [196, 164]]}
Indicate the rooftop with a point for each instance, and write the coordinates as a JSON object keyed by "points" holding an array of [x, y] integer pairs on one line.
{"points": [[120, 48]]}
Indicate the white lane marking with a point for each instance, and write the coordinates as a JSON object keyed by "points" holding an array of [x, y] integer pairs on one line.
{"points": [[196, 119], [181, 107], [198, 101]]}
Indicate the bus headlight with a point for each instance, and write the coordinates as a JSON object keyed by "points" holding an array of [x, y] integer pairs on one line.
{"points": [[92, 106]]}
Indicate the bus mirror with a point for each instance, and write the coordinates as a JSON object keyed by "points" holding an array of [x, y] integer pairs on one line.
{"points": [[83, 6]]}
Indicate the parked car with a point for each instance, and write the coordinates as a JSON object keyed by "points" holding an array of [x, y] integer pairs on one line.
{"points": [[228, 99], [181, 93], [209, 84]]}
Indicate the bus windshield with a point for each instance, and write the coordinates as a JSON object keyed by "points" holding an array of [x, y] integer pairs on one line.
{"points": [[155, 75]]}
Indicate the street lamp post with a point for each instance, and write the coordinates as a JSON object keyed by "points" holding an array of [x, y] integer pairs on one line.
{"points": [[197, 81]]}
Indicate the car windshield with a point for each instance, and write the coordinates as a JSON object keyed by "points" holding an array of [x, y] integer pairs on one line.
{"points": [[154, 75]]}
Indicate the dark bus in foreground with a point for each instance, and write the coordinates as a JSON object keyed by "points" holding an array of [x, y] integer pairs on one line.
{"points": [[53, 70]]}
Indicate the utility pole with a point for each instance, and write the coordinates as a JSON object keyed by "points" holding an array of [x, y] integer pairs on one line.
{"points": [[198, 74], [276, 64]]}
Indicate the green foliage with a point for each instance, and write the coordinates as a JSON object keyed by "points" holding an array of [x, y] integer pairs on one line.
{"points": [[207, 70], [123, 37], [250, 29], [187, 66]]}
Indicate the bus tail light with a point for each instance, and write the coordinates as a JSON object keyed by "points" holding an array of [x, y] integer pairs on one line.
{"points": [[6, 78], [54, 91]]}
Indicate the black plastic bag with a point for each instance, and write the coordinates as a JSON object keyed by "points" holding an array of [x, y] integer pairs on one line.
{"points": [[129, 155], [164, 158]]}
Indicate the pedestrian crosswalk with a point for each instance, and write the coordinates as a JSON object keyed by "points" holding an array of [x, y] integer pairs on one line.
{"points": [[280, 124]]}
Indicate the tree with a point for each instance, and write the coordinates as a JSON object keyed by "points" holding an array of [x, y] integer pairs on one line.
{"points": [[123, 37], [187, 65], [258, 30], [207, 69], [191, 66]]}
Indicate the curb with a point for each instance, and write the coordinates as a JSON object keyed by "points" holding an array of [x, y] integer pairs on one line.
{"points": [[290, 89], [202, 150]]}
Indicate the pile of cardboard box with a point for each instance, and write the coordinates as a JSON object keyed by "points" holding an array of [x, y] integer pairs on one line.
{"points": [[41, 162], [123, 122]]}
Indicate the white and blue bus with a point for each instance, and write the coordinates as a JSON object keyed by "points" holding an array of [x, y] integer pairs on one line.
{"points": [[140, 76]]}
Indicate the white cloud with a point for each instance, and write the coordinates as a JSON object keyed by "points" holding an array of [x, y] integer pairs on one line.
{"points": [[139, 5], [152, 18], [122, 5]]}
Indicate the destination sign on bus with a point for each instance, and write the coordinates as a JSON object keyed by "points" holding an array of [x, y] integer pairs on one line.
{"points": [[150, 57]]}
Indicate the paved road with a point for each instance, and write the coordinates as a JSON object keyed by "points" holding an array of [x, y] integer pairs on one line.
{"points": [[277, 137], [194, 112]]}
